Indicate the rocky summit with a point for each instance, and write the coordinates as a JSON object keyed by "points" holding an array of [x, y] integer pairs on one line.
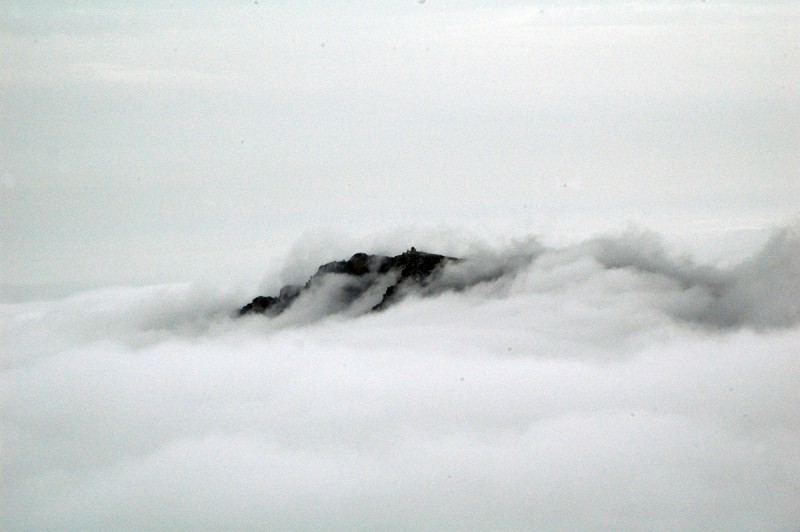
{"points": [[378, 280]]}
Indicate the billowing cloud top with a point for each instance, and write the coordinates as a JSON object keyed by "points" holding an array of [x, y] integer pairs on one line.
{"points": [[605, 384]]}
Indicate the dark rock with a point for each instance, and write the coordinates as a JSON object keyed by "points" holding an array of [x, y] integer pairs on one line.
{"points": [[400, 274]]}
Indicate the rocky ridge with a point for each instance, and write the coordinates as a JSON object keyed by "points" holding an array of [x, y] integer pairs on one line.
{"points": [[361, 274]]}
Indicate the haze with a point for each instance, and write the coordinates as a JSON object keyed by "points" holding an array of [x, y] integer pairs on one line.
{"points": [[617, 350], [146, 142]]}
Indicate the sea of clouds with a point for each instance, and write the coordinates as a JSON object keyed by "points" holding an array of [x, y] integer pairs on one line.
{"points": [[611, 383]]}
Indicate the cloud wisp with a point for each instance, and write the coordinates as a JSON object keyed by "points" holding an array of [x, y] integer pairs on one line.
{"points": [[760, 292], [606, 384]]}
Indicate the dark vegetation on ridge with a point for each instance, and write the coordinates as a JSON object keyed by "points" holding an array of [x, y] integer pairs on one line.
{"points": [[391, 276]]}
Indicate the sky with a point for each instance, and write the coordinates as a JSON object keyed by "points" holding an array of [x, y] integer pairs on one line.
{"points": [[159, 142], [617, 350]]}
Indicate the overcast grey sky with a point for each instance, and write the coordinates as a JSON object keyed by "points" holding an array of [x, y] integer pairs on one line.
{"points": [[147, 143]]}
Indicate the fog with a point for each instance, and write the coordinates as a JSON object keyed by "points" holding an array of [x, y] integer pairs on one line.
{"points": [[617, 350], [613, 383]]}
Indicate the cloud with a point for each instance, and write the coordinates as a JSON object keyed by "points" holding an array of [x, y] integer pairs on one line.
{"points": [[606, 384], [760, 292]]}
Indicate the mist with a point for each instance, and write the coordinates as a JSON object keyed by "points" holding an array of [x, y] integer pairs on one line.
{"points": [[612, 383], [617, 348]]}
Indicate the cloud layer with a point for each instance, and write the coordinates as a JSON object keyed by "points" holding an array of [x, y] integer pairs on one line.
{"points": [[607, 384]]}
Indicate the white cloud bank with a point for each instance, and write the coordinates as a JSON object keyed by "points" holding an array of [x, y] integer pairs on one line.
{"points": [[602, 385]]}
